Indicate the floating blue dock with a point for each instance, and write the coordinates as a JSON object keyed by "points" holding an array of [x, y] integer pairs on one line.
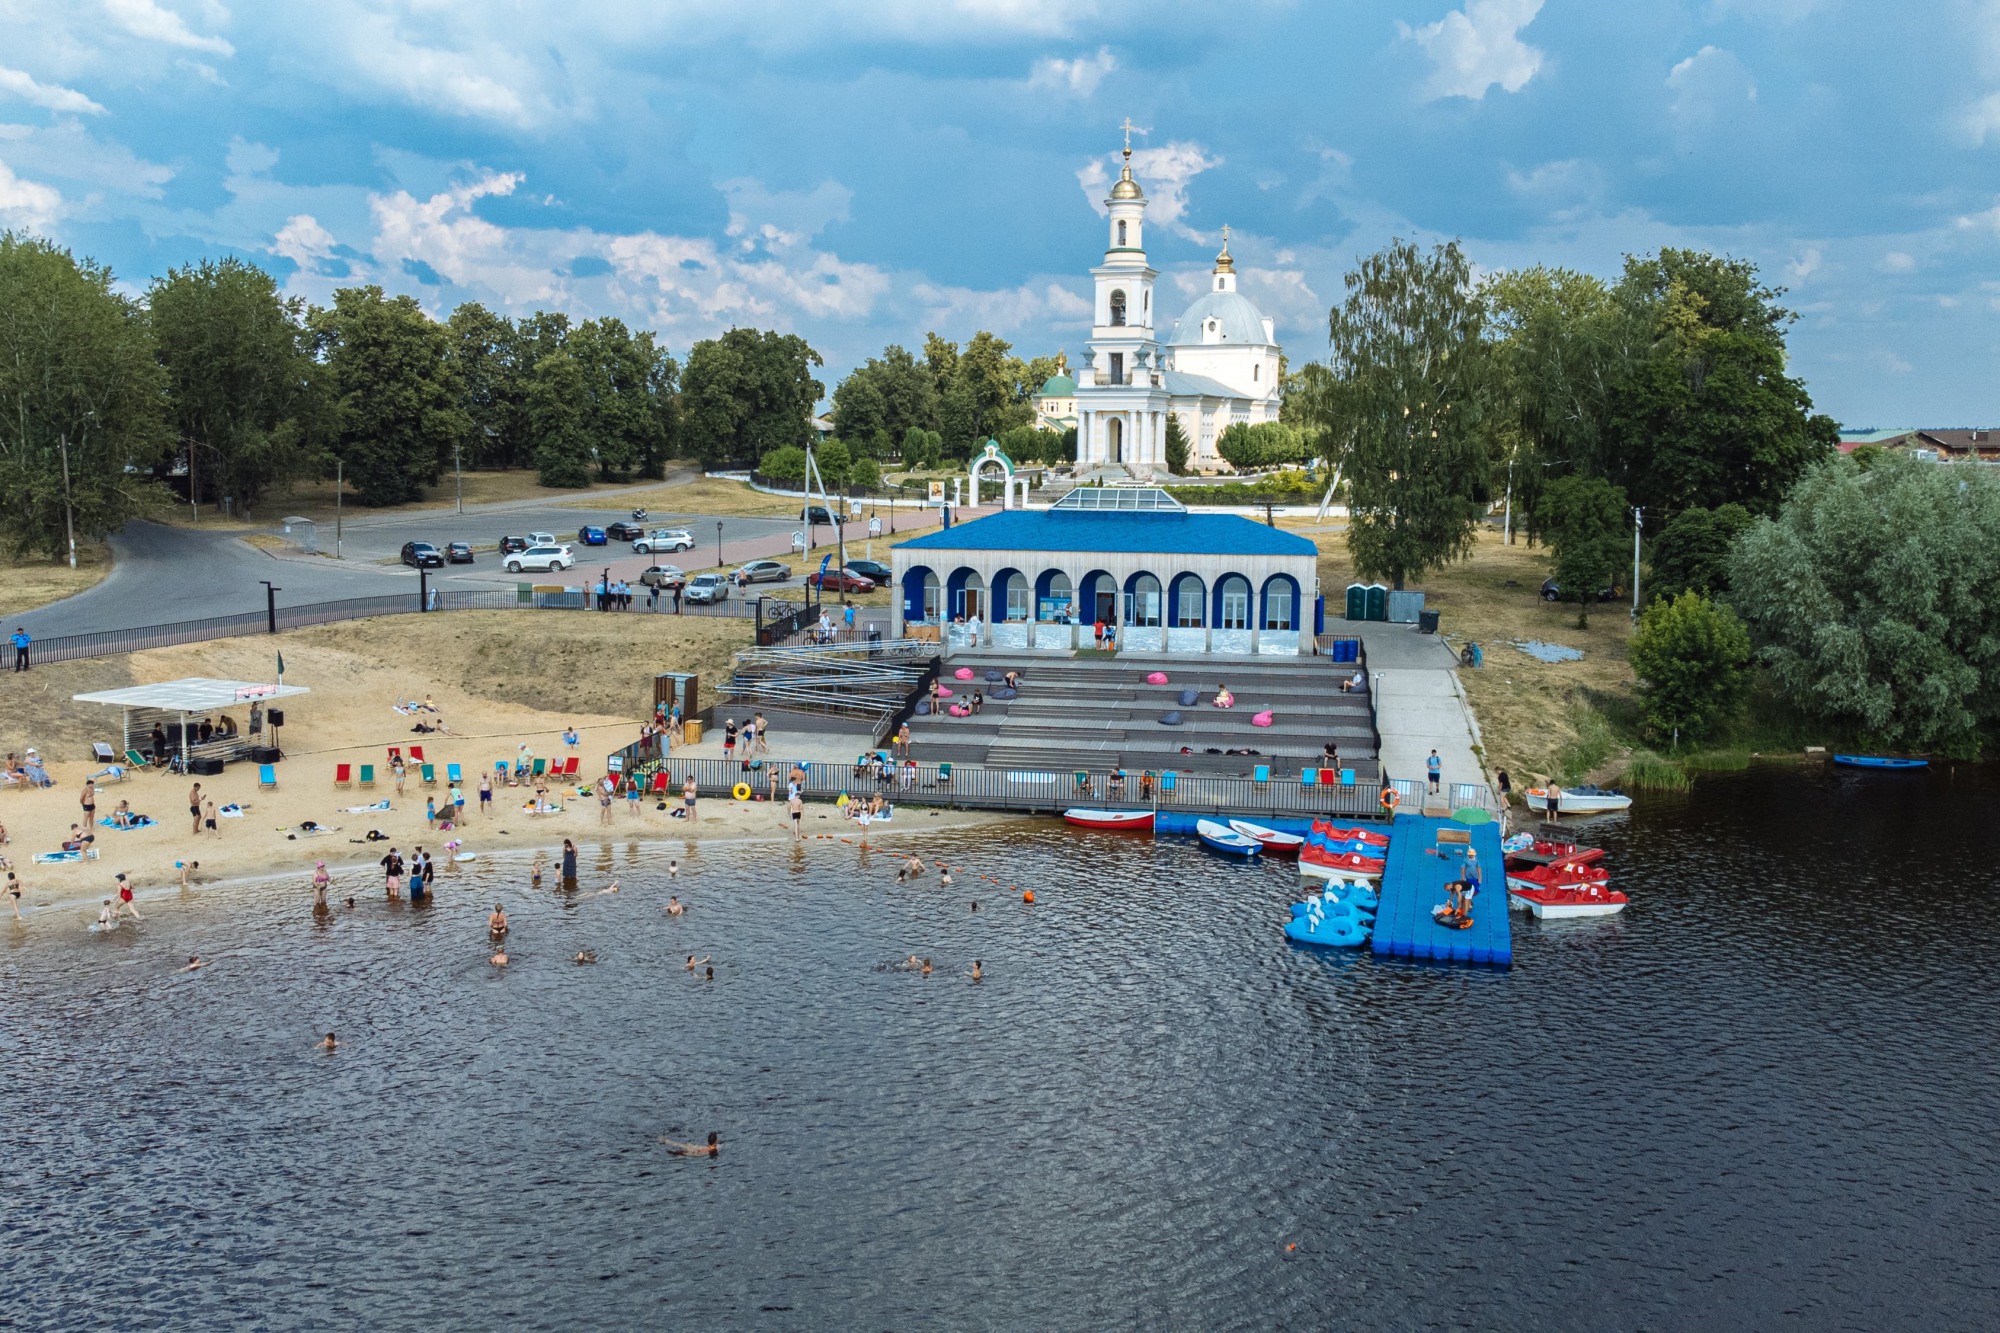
{"points": [[1413, 883]]}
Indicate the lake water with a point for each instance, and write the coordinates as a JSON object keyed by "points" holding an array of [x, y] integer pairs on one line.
{"points": [[1764, 1097]]}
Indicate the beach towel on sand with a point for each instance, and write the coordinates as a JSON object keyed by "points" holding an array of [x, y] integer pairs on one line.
{"points": [[364, 809]]}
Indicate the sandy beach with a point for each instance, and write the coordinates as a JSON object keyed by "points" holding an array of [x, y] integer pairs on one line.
{"points": [[348, 718]]}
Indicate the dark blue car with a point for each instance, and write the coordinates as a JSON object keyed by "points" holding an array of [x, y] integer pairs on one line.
{"points": [[591, 536]]}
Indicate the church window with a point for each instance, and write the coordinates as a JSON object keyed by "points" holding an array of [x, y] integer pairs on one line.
{"points": [[1121, 233], [1218, 284], [1255, 373], [1118, 307], [1118, 365]]}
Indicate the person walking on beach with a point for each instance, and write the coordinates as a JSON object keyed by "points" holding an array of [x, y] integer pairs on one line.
{"points": [[14, 894], [607, 787], [635, 791], [398, 772], [194, 808], [430, 812], [20, 640], [796, 805], [1434, 768], [457, 804], [763, 734], [688, 792], [125, 907], [486, 794], [729, 740], [208, 817], [88, 800], [569, 866]]}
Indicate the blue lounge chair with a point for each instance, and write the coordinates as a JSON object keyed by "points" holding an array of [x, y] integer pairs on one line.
{"points": [[267, 776]]}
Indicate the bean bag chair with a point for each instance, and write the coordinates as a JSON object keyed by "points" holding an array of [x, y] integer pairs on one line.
{"points": [[963, 673], [993, 674], [1004, 693], [923, 707], [1156, 678], [1189, 695], [960, 710], [1262, 719], [944, 692], [1171, 719]]}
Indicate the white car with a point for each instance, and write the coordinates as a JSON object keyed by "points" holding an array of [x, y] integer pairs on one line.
{"points": [[708, 588], [546, 556], [543, 539], [664, 539]]}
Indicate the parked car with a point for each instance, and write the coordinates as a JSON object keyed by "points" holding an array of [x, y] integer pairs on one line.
{"points": [[663, 539], [458, 553], [542, 539], [1552, 593], [546, 558], [422, 555], [509, 545], [590, 536], [708, 588], [623, 531], [873, 570], [664, 577], [762, 571], [840, 580], [815, 514]]}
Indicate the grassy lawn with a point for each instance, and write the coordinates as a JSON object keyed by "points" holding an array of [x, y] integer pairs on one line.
{"points": [[696, 495], [315, 500], [36, 582]]}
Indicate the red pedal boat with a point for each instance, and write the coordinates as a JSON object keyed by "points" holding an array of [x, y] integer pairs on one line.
{"points": [[1543, 852], [1327, 830], [1118, 821], [1573, 900], [1347, 866]]}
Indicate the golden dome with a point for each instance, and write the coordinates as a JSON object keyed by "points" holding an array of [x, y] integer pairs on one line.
{"points": [[1223, 263], [1126, 187]]}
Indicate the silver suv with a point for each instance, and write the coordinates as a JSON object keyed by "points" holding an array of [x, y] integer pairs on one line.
{"points": [[544, 558], [664, 539]]}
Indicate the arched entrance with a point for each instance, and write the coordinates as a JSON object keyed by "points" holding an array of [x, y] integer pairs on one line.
{"points": [[923, 595], [1142, 600], [1055, 599], [991, 458], [1099, 598], [966, 593], [1281, 602], [1187, 602], [1232, 602], [1010, 596], [1114, 441]]}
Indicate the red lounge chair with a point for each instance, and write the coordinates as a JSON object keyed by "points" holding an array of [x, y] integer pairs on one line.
{"points": [[395, 753], [416, 754], [661, 780], [569, 766], [343, 775]]}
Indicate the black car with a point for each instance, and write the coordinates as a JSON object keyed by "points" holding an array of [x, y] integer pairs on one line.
{"points": [[458, 553], [816, 514], [621, 531], [422, 555], [872, 569], [509, 545], [1552, 593]]}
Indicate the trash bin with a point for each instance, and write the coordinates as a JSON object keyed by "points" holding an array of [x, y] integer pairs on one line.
{"points": [[1427, 622], [875, 641]]}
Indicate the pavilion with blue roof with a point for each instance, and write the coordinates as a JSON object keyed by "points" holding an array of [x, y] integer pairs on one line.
{"points": [[1171, 581]]}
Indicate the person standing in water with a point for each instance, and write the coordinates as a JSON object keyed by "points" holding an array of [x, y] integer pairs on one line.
{"points": [[496, 923], [14, 894], [321, 880], [568, 866], [796, 805], [125, 907], [392, 872]]}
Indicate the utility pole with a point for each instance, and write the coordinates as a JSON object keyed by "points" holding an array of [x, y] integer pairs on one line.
{"points": [[339, 487], [458, 473], [69, 507], [1507, 524], [271, 604], [1637, 514]]}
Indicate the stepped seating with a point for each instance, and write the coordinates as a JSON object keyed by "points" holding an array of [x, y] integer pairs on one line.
{"points": [[1103, 714]]}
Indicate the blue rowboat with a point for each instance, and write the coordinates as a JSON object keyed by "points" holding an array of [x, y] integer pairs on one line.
{"points": [[1878, 761], [1222, 838]]}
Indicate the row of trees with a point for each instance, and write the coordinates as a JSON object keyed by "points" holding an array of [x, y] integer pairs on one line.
{"points": [[965, 396]]}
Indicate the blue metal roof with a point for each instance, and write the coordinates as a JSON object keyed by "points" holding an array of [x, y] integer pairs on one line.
{"points": [[1181, 384], [1239, 319], [1116, 533]]}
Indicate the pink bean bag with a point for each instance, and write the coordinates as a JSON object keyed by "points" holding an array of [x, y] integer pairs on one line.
{"points": [[963, 673], [1262, 719], [944, 692], [1156, 678], [959, 710]]}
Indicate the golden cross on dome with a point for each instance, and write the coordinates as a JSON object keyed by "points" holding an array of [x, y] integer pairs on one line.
{"points": [[1128, 136], [1225, 235]]}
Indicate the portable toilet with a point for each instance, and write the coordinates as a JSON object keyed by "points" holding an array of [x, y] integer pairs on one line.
{"points": [[1378, 602], [1357, 601]]}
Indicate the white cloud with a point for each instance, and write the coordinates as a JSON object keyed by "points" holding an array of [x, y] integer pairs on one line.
{"points": [[1981, 120], [1710, 86], [1163, 173], [1889, 363], [1989, 220], [1898, 261], [782, 219], [487, 80], [1078, 77], [303, 241], [1805, 265], [1565, 188], [49, 96], [1004, 311], [147, 20], [444, 233], [1476, 47], [25, 203]]}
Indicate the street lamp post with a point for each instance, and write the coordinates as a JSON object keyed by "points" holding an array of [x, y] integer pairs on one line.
{"points": [[718, 543], [339, 486], [1638, 513], [458, 474]]}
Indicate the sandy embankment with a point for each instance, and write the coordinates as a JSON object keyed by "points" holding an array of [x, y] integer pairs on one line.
{"points": [[348, 718]]}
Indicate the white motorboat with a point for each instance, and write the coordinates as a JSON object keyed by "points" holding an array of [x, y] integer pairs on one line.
{"points": [[1577, 800]]}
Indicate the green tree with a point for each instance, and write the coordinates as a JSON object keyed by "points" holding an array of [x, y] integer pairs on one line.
{"points": [[1584, 519], [79, 385], [493, 387], [1177, 446], [835, 461], [620, 413], [1692, 552], [558, 415], [1708, 416], [921, 449], [239, 377], [1402, 410], [889, 393], [745, 393], [1267, 444], [786, 463], [1874, 600], [394, 392], [1689, 654], [865, 472]]}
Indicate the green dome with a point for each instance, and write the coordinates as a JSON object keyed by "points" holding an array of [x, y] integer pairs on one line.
{"points": [[1059, 386]]}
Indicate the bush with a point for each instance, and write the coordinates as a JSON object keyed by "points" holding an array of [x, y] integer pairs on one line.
{"points": [[1692, 553], [864, 472], [1689, 654], [1264, 445], [1583, 520], [785, 463]]}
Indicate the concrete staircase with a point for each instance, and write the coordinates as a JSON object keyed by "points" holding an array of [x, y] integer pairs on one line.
{"points": [[1100, 714]]}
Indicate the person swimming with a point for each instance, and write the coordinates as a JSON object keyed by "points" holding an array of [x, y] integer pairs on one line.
{"points": [[331, 1043], [496, 923], [674, 906], [673, 870], [586, 955], [194, 962], [499, 958], [678, 1149], [944, 878], [708, 974], [977, 973], [612, 889], [927, 967], [692, 964]]}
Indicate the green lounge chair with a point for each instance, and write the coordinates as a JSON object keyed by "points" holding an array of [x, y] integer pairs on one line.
{"points": [[368, 775], [428, 775]]}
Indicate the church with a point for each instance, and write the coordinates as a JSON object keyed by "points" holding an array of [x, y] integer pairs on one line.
{"points": [[1217, 367]]}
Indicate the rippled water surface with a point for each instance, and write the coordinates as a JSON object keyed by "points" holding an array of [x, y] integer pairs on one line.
{"points": [[1765, 1097]]}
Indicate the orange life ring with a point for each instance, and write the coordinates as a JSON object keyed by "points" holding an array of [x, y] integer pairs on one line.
{"points": [[1390, 800]]}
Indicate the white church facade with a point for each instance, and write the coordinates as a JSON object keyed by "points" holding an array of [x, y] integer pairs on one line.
{"points": [[1217, 367]]}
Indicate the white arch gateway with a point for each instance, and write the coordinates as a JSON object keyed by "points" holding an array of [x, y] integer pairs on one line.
{"points": [[1013, 489]]}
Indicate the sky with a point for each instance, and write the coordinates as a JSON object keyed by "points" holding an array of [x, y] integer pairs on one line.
{"points": [[864, 171]]}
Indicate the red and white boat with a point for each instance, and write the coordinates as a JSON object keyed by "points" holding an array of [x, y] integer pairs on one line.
{"points": [[1543, 852], [1326, 829], [1117, 821], [1347, 867], [1558, 875], [1275, 843], [1573, 900]]}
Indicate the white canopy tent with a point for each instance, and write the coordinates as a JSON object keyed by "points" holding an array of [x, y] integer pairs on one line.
{"points": [[196, 696]]}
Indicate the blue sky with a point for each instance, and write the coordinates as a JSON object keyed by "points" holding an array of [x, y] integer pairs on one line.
{"points": [[861, 171]]}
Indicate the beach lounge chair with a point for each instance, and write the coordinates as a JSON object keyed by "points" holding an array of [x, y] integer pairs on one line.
{"points": [[1309, 777], [135, 759], [368, 775], [500, 769], [267, 776], [416, 754], [343, 775], [944, 774], [453, 775], [661, 781], [1260, 773], [428, 775], [541, 768], [569, 766]]}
